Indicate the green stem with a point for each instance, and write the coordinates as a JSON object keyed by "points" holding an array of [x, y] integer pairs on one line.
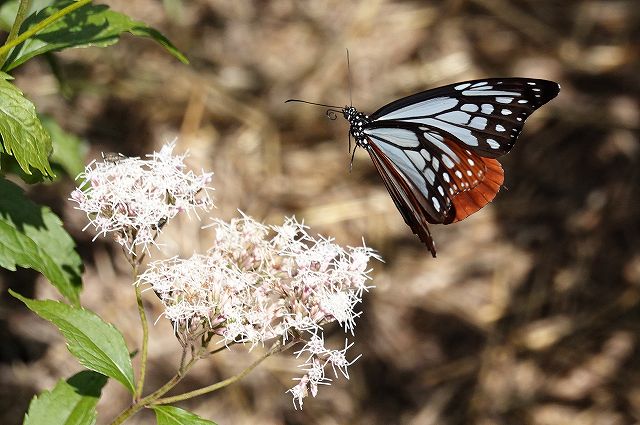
{"points": [[145, 340], [23, 9], [4, 50], [275, 349], [140, 404]]}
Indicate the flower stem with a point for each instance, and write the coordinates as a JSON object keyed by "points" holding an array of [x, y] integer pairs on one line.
{"points": [[140, 404], [11, 43], [145, 342], [23, 9], [278, 347]]}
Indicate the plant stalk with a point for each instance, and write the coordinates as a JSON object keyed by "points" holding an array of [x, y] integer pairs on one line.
{"points": [[10, 44], [278, 347], [21, 15], [142, 403], [145, 340]]}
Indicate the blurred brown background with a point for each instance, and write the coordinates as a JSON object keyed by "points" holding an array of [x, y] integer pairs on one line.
{"points": [[530, 314]]}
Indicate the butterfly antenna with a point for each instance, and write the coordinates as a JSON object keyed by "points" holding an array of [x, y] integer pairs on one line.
{"points": [[332, 112], [349, 78], [312, 103]]}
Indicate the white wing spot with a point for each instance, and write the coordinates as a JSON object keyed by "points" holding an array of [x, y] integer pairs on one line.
{"points": [[462, 86], [470, 161], [469, 173], [441, 190], [436, 204], [425, 153], [487, 108], [506, 112], [431, 177], [523, 101], [425, 108], [478, 122], [493, 144], [417, 159], [447, 161], [435, 163], [455, 117], [519, 118], [483, 92], [459, 174], [445, 176], [500, 128], [504, 99], [481, 83], [398, 136], [462, 133], [451, 190], [470, 107], [536, 89]]}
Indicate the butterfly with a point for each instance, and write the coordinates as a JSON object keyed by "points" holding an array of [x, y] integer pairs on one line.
{"points": [[436, 150]]}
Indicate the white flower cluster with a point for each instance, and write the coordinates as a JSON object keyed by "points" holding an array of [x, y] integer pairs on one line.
{"points": [[133, 198], [262, 282]]}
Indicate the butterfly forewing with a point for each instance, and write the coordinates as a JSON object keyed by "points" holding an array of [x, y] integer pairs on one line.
{"points": [[485, 115]]}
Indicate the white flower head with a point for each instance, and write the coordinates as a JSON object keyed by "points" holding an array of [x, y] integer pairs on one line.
{"points": [[133, 198], [258, 283]]}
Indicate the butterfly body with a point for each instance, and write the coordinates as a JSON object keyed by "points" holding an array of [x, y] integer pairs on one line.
{"points": [[436, 150]]}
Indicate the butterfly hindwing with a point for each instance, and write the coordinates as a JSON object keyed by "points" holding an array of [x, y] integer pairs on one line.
{"points": [[408, 199], [454, 181]]}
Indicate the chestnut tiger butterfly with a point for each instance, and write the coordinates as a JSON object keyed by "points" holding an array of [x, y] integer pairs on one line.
{"points": [[436, 150]]}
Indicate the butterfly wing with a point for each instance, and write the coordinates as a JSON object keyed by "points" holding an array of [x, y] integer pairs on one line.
{"points": [[436, 150], [409, 200], [431, 178], [484, 116]]}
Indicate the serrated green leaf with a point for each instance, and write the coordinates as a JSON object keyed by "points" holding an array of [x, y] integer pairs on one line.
{"points": [[169, 415], [68, 149], [90, 25], [97, 345], [23, 135], [67, 157], [71, 402], [32, 236]]}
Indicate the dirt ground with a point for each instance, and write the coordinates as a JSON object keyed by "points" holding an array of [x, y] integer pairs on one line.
{"points": [[529, 315]]}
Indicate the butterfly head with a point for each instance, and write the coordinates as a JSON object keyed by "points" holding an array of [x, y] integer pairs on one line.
{"points": [[357, 121]]}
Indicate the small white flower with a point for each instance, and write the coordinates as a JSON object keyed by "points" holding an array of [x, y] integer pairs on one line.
{"points": [[133, 198]]}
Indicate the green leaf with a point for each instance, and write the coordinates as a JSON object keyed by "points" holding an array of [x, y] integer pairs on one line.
{"points": [[169, 415], [90, 25], [96, 344], [32, 236], [68, 149], [71, 402], [23, 135], [67, 157]]}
